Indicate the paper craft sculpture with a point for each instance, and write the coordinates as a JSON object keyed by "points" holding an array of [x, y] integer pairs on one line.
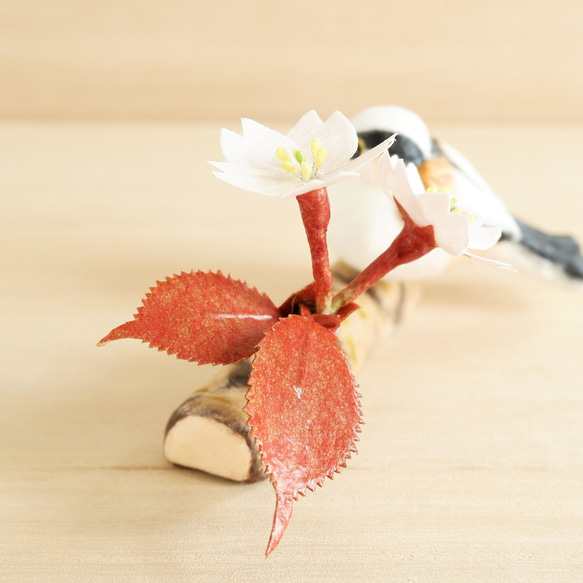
{"points": [[288, 405]]}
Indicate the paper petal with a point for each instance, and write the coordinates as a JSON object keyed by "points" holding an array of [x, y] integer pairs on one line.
{"points": [[306, 129], [258, 179], [483, 237], [339, 137]]}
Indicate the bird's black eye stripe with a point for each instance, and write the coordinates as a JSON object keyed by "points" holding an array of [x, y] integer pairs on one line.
{"points": [[370, 139], [403, 147]]}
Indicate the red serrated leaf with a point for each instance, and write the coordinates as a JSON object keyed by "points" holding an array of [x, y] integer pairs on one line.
{"points": [[204, 317], [304, 410]]}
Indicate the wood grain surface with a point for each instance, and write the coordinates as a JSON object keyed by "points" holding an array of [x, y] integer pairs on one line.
{"points": [[470, 466], [452, 61]]}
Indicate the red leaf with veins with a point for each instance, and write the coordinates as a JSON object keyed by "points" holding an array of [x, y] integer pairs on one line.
{"points": [[204, 317], [304, 410]]}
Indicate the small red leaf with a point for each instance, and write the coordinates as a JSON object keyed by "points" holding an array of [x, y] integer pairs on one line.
{"points": [[304, 410], [306, 295], [204, 317]]}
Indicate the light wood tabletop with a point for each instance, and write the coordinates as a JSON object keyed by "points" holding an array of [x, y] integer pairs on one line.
{"points": [[486, 62], [470, 465]]}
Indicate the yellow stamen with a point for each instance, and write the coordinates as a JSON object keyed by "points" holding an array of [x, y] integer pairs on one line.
{"points": [[305, 171], [315, 146], [444, 190], [361, 145], [432, 189], [320, 156], [471, 218], [289, 167], [282, 155], [299, 156], [457, 211]]}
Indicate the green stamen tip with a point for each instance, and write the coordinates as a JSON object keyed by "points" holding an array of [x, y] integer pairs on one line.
{"points": [[299, 156]]}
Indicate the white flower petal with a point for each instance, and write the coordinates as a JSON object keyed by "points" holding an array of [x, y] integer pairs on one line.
{"points": [[436, 208], [394, 181], [414, 178], [252, 164], [452, 233], [261, 143], [257, 178], [356, 163], [303, 132], [316, 183], [393, 177], [451, 229], [339, 137], [490, 262], [483, 236], [256, 145]]}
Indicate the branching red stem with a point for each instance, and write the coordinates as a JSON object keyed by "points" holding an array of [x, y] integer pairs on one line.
{"points": [[410, 244]]}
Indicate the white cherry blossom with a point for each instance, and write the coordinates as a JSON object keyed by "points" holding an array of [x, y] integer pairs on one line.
{"points": [[454, 231], [312, 155]]}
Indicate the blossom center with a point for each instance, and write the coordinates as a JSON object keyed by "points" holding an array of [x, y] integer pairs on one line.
{"points": [[297, 163], [453, 208]]}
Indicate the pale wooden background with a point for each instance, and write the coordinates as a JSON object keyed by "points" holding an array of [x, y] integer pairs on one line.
{"points": [[470, 465], [452, 61], [470, 468]]}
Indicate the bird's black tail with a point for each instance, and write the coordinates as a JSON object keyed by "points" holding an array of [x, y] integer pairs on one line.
{"points": [[560, 252]]}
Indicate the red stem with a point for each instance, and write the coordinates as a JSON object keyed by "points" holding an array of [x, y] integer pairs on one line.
{"points": [[411, 243], [315, 211]]}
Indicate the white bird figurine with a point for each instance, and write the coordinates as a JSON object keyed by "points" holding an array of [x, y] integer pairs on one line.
{"points": [[365, 221]]}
